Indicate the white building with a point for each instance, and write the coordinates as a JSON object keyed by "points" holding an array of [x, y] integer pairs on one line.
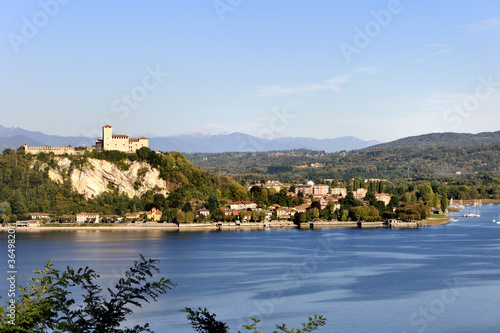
{"points": [[241, 205], [87, 217]]}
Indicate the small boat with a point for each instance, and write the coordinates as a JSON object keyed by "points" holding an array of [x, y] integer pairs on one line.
{"points": [[454, 219]]}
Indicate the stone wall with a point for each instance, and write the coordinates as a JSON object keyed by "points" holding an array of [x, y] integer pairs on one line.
{"points": [[56, 150]]}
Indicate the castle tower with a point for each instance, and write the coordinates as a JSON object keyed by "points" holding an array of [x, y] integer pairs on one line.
{"points": [[107, 136]]}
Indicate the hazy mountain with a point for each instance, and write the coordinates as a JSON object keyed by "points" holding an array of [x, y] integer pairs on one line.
{"points": [[11, 137], [240, 142], [441, 140], [15, 141], [191, 142]]}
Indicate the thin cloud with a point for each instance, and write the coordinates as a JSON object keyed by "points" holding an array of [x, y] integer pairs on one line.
{"points": [[430, 56], [331, 84], [483, 26], [368, 70]]}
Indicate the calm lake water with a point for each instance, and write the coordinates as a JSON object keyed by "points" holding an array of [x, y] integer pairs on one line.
{"points": [[435, 279]]}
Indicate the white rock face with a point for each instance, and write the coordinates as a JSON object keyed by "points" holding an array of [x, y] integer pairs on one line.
{"points": [[93, 179]]}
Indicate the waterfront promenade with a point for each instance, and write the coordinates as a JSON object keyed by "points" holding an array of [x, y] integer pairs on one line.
{"points": [[213, 226]]}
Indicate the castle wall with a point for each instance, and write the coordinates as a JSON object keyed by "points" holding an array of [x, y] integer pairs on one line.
{"points": [[56, 150]]}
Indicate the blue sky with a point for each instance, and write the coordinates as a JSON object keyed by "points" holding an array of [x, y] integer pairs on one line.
{"points": [[372, 69]]}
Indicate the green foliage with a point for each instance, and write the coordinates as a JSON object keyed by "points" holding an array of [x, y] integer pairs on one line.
{"points": [[203, 321], [27, 188], [3, 207], [279, 169], [394, 162], [17, 204], [312, 324], [47, 303]]}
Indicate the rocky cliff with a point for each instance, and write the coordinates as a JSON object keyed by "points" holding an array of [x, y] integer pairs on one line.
{"points": [[98, 176]]}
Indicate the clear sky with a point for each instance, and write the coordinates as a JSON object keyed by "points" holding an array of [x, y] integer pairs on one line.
{"points": [[372, 69]]}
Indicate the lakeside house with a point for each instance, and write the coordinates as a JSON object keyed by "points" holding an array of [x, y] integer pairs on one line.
{"points": [[154, 214], [29, 224], [132, 216], [66, 218], [88, 217], [40, 216], [203, 212]]}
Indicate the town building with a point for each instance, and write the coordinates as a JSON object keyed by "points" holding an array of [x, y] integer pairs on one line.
{"points": [[360, 193], [241, 205], [312, 189], [302, 208], [339, 192], [119, 142], [384, 197], [88, 217]]}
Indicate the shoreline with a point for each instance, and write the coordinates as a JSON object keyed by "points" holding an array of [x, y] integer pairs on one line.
{"points": [[214, 226]]}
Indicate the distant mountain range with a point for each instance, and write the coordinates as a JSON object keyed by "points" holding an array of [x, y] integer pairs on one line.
{"points": [[191, 142], [239, 142], [11, 137]]}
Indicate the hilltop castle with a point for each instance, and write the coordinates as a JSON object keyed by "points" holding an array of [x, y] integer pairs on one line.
{"points": [[119, 142], [109, 141]]}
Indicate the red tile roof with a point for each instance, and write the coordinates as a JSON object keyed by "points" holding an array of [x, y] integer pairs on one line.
{"points": [[107, 126]]}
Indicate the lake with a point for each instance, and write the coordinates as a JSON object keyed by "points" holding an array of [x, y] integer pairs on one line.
{"points": [[435, 279]]}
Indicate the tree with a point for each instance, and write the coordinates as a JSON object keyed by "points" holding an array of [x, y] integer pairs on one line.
{"points": [[3, 207], [444, 202], [349, 201], [143, 153], [204, 322], [47, 304], [312, 324], [213, 203], [17, 204], [218, 215], [189, 217]]}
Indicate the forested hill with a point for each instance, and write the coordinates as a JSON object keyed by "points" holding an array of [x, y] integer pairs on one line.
{"points": [[394, 163], [26, 184], [434, 140]]}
